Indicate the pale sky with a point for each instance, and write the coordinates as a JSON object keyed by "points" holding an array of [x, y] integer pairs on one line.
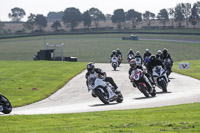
{"points": [[106, 6]]}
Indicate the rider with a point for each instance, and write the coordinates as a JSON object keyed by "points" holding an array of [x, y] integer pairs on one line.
{"points": [[152, 63], [129, 53], [138, 55], [159, 55], [133, 66], [119, 52], [147, 53], [166, 55], [94, 72]]}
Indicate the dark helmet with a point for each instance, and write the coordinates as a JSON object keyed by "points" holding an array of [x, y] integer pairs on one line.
{"points": [[133, 64], [138, 53], [152, 58], [165, 52], [90, 67]]}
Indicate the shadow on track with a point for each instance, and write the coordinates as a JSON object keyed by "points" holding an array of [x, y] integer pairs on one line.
{"points": [[96, 105], [140, 98], [163, 92]]}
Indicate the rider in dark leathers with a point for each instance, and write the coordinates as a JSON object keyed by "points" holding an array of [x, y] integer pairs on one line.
{"points": [[152, 63]]}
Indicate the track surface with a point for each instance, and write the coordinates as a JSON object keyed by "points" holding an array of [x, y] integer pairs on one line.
{"points": [[74, 97]]}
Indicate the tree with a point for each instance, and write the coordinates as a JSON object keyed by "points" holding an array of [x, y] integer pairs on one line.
{"points": [[96, 16], [163, 16], [187, 12], [134, 17], [41, 22], [148, 17], [30, 23], [16, 14], [72, 16], [179, 14], [118, 17], [56, 25], [193, 19], [87, 20], [172, 15]]}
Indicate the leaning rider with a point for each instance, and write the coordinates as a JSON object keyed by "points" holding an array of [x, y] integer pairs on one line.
{"points": [[93, 72], [133, 66]]}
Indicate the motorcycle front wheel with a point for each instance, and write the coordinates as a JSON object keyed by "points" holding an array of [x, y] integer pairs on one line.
{"points": [[144, 90], [7, 107], [102, 96]]}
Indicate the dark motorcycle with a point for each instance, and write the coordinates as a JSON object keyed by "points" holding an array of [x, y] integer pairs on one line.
{"points": [[5, 105], [168, 66]]}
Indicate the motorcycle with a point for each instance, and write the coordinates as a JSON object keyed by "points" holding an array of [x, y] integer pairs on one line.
{"points": [[160, 77], [120, 60], [103, 90], [114, 62], [5, 105], [138, 78], [130, 57], [168, 64], [138, 61]]}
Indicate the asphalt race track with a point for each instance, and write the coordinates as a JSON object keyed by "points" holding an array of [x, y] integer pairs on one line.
{"points": [[74, 96]]}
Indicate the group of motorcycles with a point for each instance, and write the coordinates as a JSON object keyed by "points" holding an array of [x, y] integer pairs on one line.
{"points": [[159, 76], [104, 90]]}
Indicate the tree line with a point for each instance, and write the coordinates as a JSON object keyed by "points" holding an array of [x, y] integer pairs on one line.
{"points": [[72, 17]]}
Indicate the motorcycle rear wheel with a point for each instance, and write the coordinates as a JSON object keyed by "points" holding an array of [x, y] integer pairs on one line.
{"points": [[144, 90]]}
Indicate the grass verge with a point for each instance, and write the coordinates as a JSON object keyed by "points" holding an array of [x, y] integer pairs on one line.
{"points": [[25, 82], [181, 118], [194, 70]]}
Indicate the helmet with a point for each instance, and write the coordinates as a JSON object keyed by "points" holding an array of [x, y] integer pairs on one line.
{"points": [[152, 58], [159, 52], [130, 50], [133, 64], [118, 49], [138, 53], [114, 52], [90, 67], [147, 50], [165, 51]]}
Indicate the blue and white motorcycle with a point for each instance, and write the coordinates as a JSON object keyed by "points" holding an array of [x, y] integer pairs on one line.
{"points": [[160, 77]]}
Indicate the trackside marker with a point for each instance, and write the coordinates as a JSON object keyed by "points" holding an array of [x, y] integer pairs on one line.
{"points": [[184, 65]]}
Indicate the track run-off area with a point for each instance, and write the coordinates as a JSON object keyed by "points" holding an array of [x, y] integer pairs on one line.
{"points": [[74, 96]]}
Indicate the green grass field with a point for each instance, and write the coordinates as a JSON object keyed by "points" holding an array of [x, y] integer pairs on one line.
{"points": [[97, 48], [25, 82], [18, 78]]}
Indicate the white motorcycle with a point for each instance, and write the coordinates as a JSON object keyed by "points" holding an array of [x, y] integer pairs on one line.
{"points": [[103, 90], [114, 62], [138, 61], [130, 57], [160, 77]]}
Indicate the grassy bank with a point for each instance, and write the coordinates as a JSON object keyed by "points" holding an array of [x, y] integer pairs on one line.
{"points": [[181, 118], [97, 48], [25, 82], [194, 70]]}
